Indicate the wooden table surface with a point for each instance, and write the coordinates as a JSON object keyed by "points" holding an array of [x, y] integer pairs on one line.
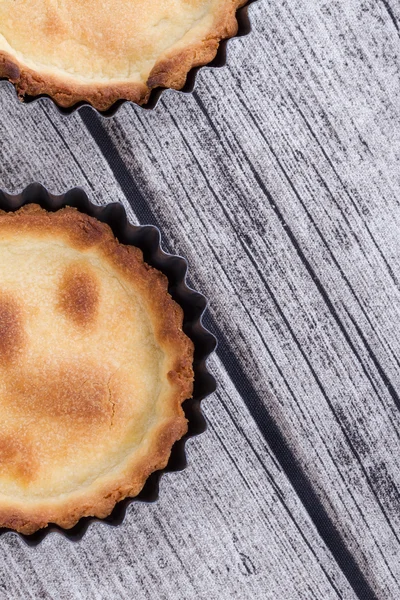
{"points": [[279, 180]]}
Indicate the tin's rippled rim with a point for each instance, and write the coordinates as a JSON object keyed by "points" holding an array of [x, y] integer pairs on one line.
{"points": [[220, 60], [147, 238]]}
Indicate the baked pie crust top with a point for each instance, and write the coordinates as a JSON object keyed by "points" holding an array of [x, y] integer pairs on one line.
{"points": [[103, 50], [94, 367]]}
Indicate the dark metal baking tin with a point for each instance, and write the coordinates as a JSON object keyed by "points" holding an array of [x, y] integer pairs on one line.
{"points": [[244, 28], [147, 238]]}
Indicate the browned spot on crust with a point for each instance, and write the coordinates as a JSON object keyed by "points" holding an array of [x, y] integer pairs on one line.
{"points": [[79, 294], [11, 329], [53, 24], [74, 395], [16, 457], [9, 69]]}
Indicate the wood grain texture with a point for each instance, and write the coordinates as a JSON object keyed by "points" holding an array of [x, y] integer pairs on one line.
{"points": [[227, 526], [279, 180]]}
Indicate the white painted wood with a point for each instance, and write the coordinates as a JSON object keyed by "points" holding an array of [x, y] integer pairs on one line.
{"points": [[279, 181]]}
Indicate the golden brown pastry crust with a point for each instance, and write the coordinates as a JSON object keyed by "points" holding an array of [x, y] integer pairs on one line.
{"points": [[81, 233], [169, 71]]}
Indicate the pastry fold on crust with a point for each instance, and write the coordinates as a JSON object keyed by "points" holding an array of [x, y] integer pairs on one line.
{"points": [[101, 52], [94, 367]]}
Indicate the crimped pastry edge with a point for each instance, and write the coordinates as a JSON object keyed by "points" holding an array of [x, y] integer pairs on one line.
{"points": [[170, 71], [83, 231]]}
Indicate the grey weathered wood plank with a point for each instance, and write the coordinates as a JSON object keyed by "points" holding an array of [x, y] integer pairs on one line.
{"points": [[279, 180], [343, 408], [40, 145], [239, 548]]}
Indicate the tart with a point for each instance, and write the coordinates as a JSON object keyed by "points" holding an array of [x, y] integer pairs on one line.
{"points": [[94, 367], [103, 51]]}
